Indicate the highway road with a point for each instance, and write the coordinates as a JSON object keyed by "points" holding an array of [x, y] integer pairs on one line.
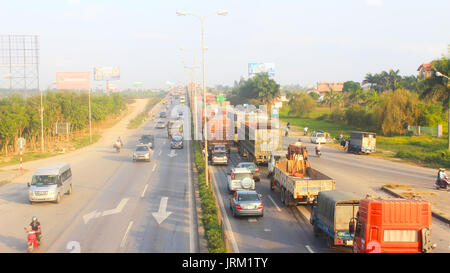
{"points": [[121, 206], [285, 229], [116, 205]]}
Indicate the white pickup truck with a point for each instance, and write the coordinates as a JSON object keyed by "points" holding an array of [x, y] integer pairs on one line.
{"points": [[240, 179]]}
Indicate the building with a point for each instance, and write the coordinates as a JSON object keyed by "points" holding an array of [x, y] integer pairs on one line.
{"points": [[425, 71], [324, 87]]}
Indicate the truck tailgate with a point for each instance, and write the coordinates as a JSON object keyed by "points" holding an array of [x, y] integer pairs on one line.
{"points": [[311, 187]]}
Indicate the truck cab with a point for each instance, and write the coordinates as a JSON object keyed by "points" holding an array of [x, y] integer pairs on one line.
{"points": [[274, 158], [392, 225]]}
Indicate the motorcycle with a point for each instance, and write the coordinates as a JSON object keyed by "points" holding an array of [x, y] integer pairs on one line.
{"points": [[318, 153], [32, 240], [117, 146], [442, 184]]}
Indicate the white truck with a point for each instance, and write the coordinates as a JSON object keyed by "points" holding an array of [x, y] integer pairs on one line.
{"points": [[299, 183]]}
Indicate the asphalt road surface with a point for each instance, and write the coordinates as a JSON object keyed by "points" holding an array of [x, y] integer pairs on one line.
{"points": [[116, 205], [284, 229]]}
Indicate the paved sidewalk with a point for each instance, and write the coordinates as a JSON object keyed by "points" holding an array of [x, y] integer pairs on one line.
{"points": [[440, 199]]}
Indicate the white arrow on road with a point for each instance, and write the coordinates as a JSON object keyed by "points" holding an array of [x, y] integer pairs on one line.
{"points": [[118, 209], [91, 215], [162, 214], [172, 153]]}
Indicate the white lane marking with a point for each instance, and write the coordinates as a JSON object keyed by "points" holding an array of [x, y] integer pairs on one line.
{"points": [[309, 249], [160, 151], [74, 246], [154, 168], [162, 214], [143, 193], [224, 214], [252, 220], [118, 209], [91, 215], [124, 239], [164, 142], [278, 208], [191, 202], [267, 230], [172, 154]]}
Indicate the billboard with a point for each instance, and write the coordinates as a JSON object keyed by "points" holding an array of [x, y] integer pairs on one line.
{"points": [[106, 73], [73, 80], [255, 68]]}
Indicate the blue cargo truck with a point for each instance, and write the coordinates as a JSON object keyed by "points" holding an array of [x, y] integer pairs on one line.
{"points": [[331, 216]]}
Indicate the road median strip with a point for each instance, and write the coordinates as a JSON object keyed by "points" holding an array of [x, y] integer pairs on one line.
{"points": [[209, 210]]}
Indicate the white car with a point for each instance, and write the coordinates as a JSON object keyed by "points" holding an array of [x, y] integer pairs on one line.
{"points": [[240, 179], [318, 138]]}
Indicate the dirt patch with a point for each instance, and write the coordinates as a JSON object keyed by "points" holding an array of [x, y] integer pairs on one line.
{"points": [[396, 186]]}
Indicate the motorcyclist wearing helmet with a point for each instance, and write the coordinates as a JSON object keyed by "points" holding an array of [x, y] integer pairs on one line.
{"points": [[36, 226]]}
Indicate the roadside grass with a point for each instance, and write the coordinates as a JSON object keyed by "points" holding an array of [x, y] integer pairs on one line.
{"points": [[424, 150], [83, 141], [210, 220], [139, 119]]}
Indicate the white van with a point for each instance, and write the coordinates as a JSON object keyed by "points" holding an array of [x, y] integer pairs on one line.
{"points": [[50, 182]]}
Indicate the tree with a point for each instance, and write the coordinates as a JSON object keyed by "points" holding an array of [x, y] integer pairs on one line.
{"points": [[257, 89], [301, 104], [395, 110]]}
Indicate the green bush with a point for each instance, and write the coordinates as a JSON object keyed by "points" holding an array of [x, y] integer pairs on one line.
{"points": [[210, 220]]}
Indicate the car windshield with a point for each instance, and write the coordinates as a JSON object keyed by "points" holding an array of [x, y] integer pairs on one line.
{"points": [[219, 154], [241, 176], [44, 180], [141, 149], [319, 135], [248, 197], [248, 165], [177, 138]]}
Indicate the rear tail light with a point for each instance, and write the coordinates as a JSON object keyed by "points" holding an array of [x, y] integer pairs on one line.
{"points": [[260, 206], [257, 171], [238, 207]]}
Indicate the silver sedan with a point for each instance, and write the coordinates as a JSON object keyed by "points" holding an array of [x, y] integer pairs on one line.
{"points": [[246, 203]]}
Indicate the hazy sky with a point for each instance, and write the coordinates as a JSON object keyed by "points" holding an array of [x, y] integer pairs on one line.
{"points": [[308, 41]]}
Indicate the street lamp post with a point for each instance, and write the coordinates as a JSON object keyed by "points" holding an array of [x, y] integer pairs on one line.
{"points": [[205, 135], [439, 74], [42, 116], [193, 92]]}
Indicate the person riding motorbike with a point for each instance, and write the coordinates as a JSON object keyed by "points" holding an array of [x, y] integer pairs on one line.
{"points": [[317, 148], [442, 179], [118, 143], [36, 226]]}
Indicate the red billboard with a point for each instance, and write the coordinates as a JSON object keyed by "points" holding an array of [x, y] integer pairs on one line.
{"points": [[73, 80]]}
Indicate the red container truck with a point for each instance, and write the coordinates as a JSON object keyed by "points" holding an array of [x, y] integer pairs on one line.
{"points": [[392, 225]]}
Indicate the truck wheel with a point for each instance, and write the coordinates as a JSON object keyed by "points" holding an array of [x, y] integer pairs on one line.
{"points": [[330, 242], [288, 199], [316, 230], [282, 195]]}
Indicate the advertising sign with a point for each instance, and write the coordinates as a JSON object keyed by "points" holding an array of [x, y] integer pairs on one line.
{"points": [[106, 73], [73, 80], [255, 68]]}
